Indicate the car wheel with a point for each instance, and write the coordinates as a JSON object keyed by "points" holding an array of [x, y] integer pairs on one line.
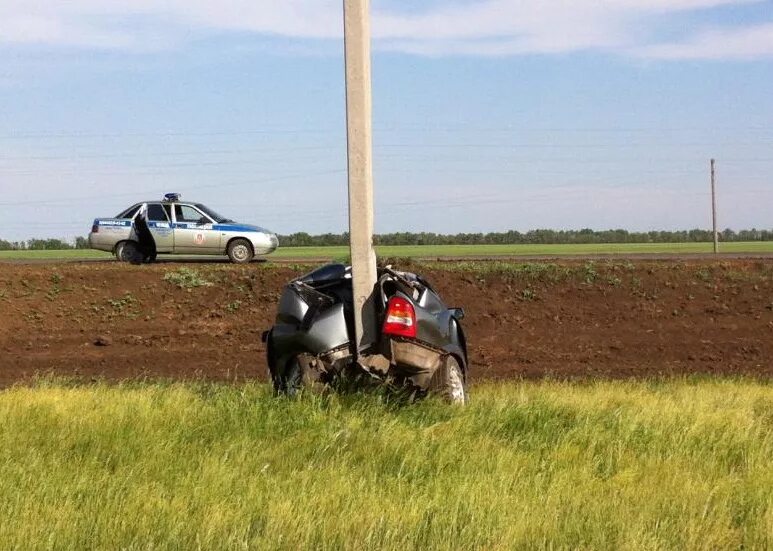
{"points": [[240, 251], [291, 381], [128, 252], [448, 382], [299, 375], [119, 252]]}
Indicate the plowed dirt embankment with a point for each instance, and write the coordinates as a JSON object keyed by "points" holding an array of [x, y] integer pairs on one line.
{"points": [[567, 319]]}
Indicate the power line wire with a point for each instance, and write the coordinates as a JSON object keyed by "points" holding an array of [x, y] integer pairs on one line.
{"points": [[25, 135], [69, 200]]}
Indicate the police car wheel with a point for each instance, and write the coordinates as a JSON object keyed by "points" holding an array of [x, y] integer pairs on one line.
{"points": [[127, 252], [240, 251]]}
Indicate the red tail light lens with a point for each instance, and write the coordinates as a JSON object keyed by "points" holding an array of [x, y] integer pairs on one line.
{"points": [[95, 228], [400, 318]]}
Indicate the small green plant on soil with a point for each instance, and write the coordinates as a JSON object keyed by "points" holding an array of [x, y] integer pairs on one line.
{"points": [[234, 306], [121, 304], [53, 293], [56, 287], [528, 295], [590, 273], [537, 271], [33, 316], [186, 278], [736, 276], [703, 274]]}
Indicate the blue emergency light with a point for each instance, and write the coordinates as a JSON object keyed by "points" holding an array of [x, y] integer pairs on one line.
{"points": [[172, 197]]}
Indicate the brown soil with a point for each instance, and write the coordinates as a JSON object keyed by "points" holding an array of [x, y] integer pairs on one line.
{"points": [[565, 319]]}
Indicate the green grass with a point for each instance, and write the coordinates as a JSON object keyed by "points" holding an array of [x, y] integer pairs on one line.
{"points": [[430, 251], [72, 254], [526, 250], [683, 464]]}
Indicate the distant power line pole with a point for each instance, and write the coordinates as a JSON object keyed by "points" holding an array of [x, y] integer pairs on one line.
{"points": [[714, 206], [360, 154]]}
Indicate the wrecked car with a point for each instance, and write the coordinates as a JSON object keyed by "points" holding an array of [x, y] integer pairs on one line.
{"points": [[420, 343]]}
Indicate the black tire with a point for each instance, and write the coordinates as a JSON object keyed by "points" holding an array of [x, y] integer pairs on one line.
{"points": [[119, 252], [240, 251], [448, 383], [299, 375], [291, 381], [128, 251]]}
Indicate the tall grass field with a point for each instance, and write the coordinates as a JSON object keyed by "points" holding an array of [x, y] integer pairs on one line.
{"points": [[679, 464]]}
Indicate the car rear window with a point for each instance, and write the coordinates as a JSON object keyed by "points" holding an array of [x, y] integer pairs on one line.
{"points": [[130, 212]]}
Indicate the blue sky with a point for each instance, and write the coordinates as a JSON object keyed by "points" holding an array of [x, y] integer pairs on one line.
{"points": [[498, 114]]}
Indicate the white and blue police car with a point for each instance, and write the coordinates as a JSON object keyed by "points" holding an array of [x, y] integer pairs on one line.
{"points": [[181, 227]]}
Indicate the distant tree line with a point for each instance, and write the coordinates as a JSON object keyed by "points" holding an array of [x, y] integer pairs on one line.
{"points": [[44, 244], [533, 237]]}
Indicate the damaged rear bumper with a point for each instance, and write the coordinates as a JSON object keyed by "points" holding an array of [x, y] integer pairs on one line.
{"points": [[414, 360], [397, 359]]}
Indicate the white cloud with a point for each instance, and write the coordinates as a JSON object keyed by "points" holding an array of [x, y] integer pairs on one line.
{"points": [[743, 43], [484, 27]]}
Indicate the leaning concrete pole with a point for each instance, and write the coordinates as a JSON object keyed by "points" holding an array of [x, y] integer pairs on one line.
{"points": [[360, 142]]}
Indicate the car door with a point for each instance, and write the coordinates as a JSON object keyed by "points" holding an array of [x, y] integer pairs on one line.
{"points": [[160, 227], [193, 231], [106, 233]]}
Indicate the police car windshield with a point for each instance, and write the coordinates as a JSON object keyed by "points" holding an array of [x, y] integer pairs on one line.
{"points": [[212, 214]]}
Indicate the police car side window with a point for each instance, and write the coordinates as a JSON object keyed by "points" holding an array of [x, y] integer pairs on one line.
{"points": [[156, 213]]}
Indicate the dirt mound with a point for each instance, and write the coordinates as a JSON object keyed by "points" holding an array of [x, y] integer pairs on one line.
{"points": [[568, 319]]}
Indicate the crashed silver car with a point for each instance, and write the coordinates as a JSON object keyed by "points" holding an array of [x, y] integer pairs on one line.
{"points": [[420, 345], [173, 226]]}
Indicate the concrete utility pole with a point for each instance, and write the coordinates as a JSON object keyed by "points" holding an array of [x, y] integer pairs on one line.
{"points": [[360, 144], [714, 207]]}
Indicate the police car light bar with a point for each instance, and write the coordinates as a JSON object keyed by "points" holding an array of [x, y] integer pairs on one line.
{"points": [[172, 197]]}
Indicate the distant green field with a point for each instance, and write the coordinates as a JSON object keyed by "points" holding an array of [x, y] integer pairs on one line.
{"points": [[525, 250], [611, 465], [75, 254], [429, 251]]}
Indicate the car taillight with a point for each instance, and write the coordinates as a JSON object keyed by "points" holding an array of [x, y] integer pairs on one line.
{"points": [[95, 228], [400, 318]]}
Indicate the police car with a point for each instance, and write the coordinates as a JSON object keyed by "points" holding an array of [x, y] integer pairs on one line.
{"points": [[181, 227]]}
